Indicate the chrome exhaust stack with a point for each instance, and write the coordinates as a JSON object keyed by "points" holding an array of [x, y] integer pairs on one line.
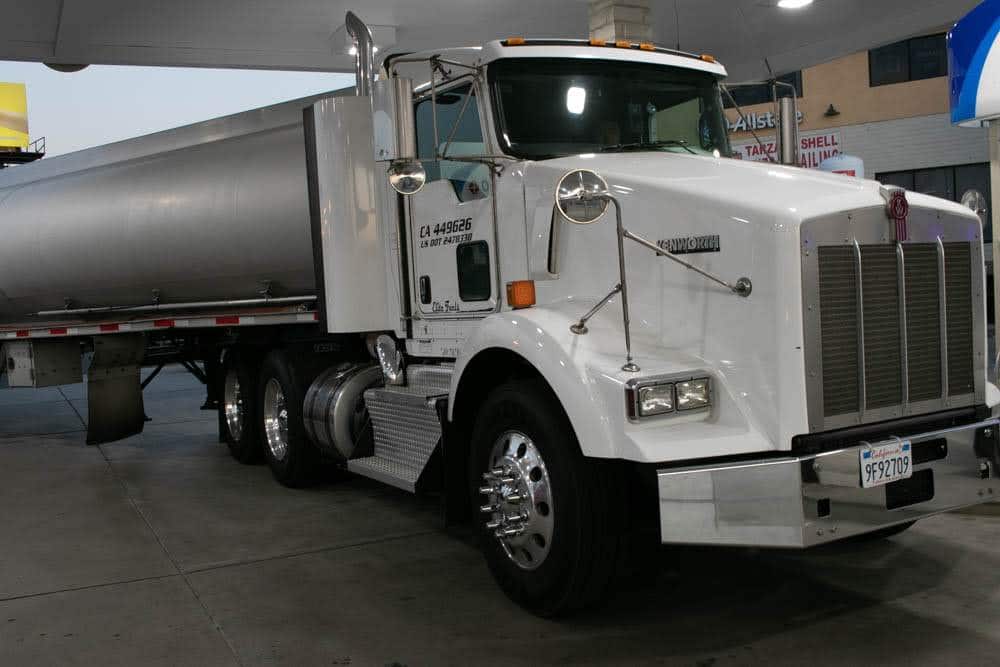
{"points": [[364, 45]]}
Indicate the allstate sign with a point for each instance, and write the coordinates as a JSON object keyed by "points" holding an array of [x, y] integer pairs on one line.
{"points": [[974, 58]]}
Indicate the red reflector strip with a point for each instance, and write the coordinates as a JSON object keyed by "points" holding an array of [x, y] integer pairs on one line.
{"points": [[316, 317], [163, 324], [229, 319], [109, 327], [57, 332], [23, 333]]}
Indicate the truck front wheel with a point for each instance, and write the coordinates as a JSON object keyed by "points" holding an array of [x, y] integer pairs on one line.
{"points": [[551, 522], [293, 459]]}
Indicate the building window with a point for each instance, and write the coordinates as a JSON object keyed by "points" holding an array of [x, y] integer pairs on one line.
{"points": [[761, 93], [945, 182], [910, 60]]}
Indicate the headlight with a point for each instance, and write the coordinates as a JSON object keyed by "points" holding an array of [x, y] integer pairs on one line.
{"points": [[660, 396], [656, 400], [693, 394]]}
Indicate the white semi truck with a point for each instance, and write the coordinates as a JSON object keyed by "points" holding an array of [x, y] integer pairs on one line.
{"points": [[535, 283]]}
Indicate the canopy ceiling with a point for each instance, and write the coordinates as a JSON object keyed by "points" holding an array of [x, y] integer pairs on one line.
{"points": [[309, 34]]}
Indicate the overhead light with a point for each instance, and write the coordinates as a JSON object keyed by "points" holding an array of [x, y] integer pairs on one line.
{"points": [[794, 4], [66, 68]]}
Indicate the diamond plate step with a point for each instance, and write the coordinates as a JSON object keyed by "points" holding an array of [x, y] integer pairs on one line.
{"points": [[386, 471], [406, 427]]}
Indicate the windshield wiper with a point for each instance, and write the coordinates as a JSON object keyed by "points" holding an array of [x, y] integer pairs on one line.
{"points": [[641, 145]]}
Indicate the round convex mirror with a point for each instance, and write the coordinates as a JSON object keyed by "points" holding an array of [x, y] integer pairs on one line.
{"points": [[579, 196], [407, 177], [976, 202]]}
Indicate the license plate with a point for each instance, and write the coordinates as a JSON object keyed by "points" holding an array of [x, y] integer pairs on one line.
{"points": [[883, 464]]}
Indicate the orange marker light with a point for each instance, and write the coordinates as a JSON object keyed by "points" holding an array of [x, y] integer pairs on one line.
{"points": [[515, 41], [623, 44], [646, 46], [594, 41], [521, 293], [708, 58]]}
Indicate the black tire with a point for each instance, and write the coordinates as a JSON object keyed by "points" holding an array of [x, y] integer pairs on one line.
{"points": [[241, 434], [885, 532], [297, 465], [588, 533]]}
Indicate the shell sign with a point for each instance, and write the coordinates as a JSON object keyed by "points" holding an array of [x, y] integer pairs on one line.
{"points": [[13, 116]]}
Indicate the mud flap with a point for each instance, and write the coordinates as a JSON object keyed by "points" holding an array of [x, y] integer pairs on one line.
{"points": [[114, 391]]}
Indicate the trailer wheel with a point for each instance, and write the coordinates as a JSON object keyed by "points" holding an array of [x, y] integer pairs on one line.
{"points": [[551, 522], [293, 459], [238, 410]]}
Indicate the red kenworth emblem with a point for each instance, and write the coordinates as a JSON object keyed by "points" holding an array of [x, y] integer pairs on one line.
{"points": [[898, 210]]}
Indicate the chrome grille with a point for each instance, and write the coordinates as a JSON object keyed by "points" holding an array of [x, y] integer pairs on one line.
{"points": [[839, 310], [881, 304], [923, 322], [958, 273]]}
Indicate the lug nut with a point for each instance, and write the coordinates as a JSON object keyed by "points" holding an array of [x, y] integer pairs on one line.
{"points": [[514, 498], [493, 525], [487, 490], [489, 509]]}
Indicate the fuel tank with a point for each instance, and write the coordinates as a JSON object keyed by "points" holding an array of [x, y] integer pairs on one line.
{"points": [[214, 211]]}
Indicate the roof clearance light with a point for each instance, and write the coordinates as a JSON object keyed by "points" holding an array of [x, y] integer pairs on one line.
{"points": [[623, 44], [708, 58], [515, 41], [794, 4], [594, 41], [646, 46], [576, 100]]}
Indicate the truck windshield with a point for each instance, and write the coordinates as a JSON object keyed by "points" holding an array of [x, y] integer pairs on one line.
{"points": [[555, 107]]}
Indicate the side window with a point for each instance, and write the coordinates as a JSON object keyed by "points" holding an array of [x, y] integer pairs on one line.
{"points": [[469, 179], [473, 271]]}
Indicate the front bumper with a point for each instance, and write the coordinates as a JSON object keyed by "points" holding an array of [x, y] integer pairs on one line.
{"points": [[804, 501]]}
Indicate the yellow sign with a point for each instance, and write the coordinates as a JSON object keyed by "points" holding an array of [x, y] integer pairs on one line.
{"points": [[13, 116]]}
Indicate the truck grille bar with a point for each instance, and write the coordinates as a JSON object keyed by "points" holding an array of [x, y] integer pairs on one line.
{"points": [[896, 328]]}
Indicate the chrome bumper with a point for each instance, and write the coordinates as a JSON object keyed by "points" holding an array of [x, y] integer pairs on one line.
{"points": [[810, 500]]}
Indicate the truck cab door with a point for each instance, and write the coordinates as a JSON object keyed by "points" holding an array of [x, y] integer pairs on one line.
{"points": [[451, 220]]}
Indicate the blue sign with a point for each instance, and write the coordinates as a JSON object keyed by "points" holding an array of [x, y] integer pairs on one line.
{"points": [[974, 60]]}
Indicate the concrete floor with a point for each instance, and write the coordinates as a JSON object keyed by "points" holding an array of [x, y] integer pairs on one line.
{"points": [[162, 550]]}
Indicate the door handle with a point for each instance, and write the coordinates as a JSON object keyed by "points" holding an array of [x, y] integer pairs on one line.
{"points": [[425, 290]]}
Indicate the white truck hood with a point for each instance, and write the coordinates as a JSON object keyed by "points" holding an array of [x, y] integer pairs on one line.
{"points": [[754, 212]]}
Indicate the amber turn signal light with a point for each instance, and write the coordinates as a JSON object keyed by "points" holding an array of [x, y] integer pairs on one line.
{"points": [[515, 41], [521, 293]]}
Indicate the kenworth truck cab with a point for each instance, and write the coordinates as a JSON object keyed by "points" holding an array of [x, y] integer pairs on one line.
{"points": [[812, 368], [541, 286]]}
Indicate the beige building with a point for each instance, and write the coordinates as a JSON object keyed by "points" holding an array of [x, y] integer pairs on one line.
{"points": [[889, 107]]}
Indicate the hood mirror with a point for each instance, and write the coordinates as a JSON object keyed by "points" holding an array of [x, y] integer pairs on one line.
{"points": [[581, 197], [976, 202], [407, 176]]}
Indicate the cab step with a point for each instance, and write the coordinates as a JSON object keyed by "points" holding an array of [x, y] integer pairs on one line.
{"points": [[406, 426]]}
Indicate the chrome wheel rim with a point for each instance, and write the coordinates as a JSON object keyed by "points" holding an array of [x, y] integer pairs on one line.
{"points": [[233, 407], [519, 500], [275, 419]]}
